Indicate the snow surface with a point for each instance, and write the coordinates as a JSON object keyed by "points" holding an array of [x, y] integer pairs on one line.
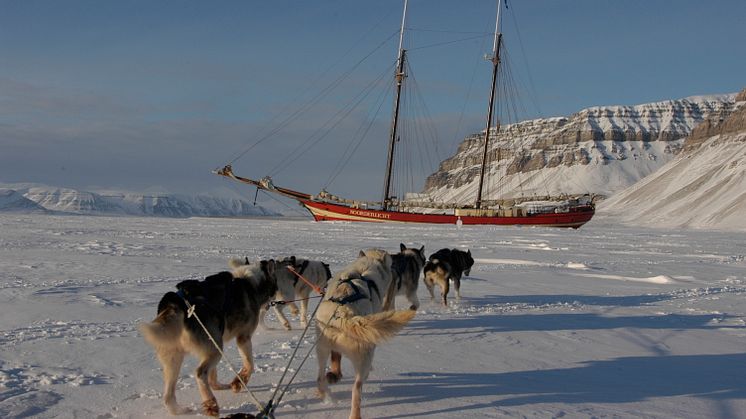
{"points": [[702, 189], [604, 321]]}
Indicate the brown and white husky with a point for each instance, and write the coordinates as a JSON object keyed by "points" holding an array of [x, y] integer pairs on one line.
{"points": [[228, 305]]}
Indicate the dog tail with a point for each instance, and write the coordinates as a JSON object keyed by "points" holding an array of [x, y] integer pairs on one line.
{"points": [[375, 328], [435, 266], [166, 328]]}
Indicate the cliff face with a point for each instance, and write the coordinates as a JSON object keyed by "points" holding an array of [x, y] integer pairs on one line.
{"points": [[599, 150], [703, 187]]}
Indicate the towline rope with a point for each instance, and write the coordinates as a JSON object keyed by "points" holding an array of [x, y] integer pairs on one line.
{"points": [[283, 302], [272, 404], [309, 283]]}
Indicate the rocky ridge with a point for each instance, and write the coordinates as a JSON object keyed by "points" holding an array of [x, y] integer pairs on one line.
{"points": [[598, 150], [703, 187]]}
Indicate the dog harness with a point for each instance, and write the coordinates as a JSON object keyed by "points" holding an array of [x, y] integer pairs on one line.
{"points": [[303, 267], [357, 294]]}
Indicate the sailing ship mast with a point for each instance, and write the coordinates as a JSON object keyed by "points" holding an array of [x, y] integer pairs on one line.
{"points": [[495, 63], [395, 123]]}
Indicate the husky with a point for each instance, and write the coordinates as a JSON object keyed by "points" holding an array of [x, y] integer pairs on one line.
{"points": [[445, 265], [228, 305], [406, 267], [350, 321], [289, 286]]}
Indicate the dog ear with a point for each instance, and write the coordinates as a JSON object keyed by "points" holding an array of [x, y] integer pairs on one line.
{"points": [[468, 252], [361, 254], [247, 260], [292, 260], [402, 247], [422, 249]]}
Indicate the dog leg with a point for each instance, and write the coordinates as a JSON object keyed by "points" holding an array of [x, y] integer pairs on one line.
{"points": [[335, 368], [429, 284], [214, 383], [322, 354], [412, 297], [457, 287], [245, 349], [204, 369], [293, 308], [171, 362], [281, 317], [444, 290], [362, 369], [262, 315]]}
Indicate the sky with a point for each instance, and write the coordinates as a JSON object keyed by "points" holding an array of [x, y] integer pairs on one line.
{"points": [[153, 95]]}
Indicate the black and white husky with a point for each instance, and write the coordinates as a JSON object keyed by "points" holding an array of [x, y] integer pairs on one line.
{"points": [[350, 321], [290, 287], [228, 305], [445, 265], [406, 267]]}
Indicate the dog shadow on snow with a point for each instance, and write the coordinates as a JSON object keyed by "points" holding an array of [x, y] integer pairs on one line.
{"points": [[719, 378]]}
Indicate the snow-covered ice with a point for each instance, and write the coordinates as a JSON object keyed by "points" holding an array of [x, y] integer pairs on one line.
{"points": [[604, 321]]}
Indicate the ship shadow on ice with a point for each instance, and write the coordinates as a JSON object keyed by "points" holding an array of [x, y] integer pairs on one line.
{"points": [[495, 323], [719, 378], [569, 299]]}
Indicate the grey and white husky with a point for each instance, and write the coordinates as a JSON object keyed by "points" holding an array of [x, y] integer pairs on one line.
{"points": [[445, 265], [406, 267], [350, 321], [290, 287], [228, 305]]}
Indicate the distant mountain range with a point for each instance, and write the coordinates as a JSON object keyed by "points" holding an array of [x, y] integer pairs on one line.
{"points": [[47, 199]]}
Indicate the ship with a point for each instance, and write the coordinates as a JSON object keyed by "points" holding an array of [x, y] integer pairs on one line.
{"points": [[562, 210]]}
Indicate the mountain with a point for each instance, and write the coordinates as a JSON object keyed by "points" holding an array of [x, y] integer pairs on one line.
{"points": [[11, 200], [598, 150], [703, 187], [73, 201]]}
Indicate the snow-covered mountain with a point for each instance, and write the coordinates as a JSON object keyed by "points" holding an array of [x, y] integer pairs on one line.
{"points": [[11, 200], [598, 150], [64, 200], [703, 187]]}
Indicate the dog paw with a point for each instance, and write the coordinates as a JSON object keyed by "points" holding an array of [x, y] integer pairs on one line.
{"points": [[210, 407], [333, 378], [179, 410], [286, 325], [326, 398]]}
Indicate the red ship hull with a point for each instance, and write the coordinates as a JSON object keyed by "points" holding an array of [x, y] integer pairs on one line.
{"points": [[324, 211]]}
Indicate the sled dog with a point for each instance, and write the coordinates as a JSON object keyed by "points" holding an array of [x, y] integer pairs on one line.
{"points": [[406, 268], [350, 321], [290, 287], [447, 264], [228, 305]]}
